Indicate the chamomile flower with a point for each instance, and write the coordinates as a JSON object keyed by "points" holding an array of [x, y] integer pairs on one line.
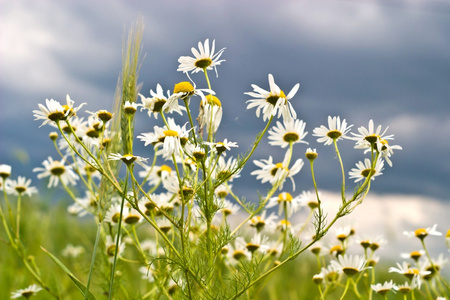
{"points": [[128, 158], [288, 132], [20, 186], [258, 243], [156, 103], [238, 251], [262, 222], [421, 233], [226, 169], [276, 173], [273, 101], [414, 255], [229, 208], [335, 131], [147, 273], [26, 292], [285, 201], [387, 150], [57, 170], [221, 147], [204, 58], [350, 264], [412, 273], [53, 111], [5, 171], [172, 138], [364, 169], [210, 113], [384, 288], [156, 174], [72, 251], [370, 136], [110, 247]]}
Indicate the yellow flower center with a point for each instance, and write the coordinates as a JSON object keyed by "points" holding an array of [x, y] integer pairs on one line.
{"points": [[421, 233], [213, 100], [158, 104], [20, 189], [284, 197], [336, 249], [238, 254], [183, 87], [164, 168], [273, 99], [170, 133], [415, 255], [132, 219], [128, 158], [277, 167], [252, 247], [447, 235], [203, 63]]}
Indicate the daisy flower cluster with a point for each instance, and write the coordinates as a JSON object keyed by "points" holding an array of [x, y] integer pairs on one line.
{"points": [[353, 260], [173, 212]]}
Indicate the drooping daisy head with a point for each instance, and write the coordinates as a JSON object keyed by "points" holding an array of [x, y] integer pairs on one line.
{"points": [[273, 101], [128, 158], [156, 103], [204, 58], [53, 111], [335, 131]]}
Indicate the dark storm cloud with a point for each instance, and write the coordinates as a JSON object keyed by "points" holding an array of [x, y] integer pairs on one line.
{"points": [[359, 60]]}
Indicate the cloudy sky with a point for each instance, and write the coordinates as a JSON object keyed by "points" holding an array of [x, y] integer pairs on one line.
{"points": [[383, 60]]}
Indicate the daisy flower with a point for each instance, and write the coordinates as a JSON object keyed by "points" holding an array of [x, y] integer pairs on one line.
{"points": [[310, 199], [204, 58], [311, 154], [26, 292], [225, 168], [210, 113], [221, 147], [128, 158], [130, 108], [412, 273], [384, 288], [53, 111], [156, 174], [414, 255], [57, 171], [335, 131], [72, 251], [172, 138], [288, 132], [156, 103], [5, 171], [364, 169], [258, 242], [349, 264], [406, 288], [20, 186], [370, 136], [262, 222], [421, 233], [387, 150], [285, 201], [273, 101], [111, 247], [277, 172], [229, 208], [239, 251]]}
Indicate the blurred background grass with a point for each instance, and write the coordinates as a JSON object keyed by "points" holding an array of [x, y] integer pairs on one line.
{"points": [[46, 223]]}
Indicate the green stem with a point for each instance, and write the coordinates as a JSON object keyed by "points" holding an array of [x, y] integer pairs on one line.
{"points": [[342, 169], [91, 268], [119, 226], [19, 201]]}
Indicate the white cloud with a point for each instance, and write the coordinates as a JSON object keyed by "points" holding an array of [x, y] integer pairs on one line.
{"points": [[391, 215]]}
